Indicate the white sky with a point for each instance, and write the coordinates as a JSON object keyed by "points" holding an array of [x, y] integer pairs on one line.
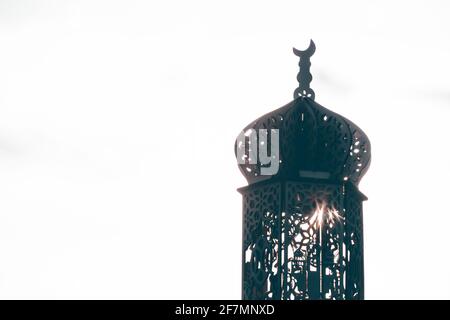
{"points": [[117, 125]]}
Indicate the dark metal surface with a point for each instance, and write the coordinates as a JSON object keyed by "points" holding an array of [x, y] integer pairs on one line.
{"points": [[302, 227]]}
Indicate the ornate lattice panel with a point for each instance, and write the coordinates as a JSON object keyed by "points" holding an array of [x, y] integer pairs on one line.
{"points": [[261, 239], [302, 240]]}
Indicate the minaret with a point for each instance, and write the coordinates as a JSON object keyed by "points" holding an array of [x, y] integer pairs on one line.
{"points": [[302, 221]]}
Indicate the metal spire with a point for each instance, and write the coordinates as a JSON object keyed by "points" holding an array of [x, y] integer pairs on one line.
{"points": [[304, 77]]}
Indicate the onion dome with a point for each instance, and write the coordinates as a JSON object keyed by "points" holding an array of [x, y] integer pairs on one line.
{"points": [[314, 142]]}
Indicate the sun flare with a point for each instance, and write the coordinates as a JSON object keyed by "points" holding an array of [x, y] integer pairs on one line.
{"points": [[323, 214]]}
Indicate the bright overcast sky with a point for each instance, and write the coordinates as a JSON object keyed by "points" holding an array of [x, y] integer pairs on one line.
{"points": [[117, 125]]}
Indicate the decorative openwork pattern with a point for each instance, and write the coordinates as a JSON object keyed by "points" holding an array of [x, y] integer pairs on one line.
{"points": [[262, 209], [312, 139], [309, 248]]}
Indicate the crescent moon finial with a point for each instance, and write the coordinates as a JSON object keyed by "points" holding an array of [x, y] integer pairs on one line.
{"points": [[306, 53], [304, 76]]}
